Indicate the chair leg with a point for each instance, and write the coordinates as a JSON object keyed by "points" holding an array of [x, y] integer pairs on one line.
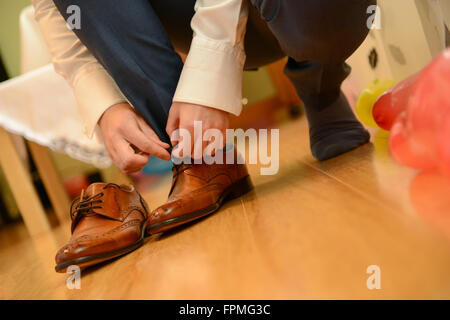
{"points": [[21, 185], [52, 180]]}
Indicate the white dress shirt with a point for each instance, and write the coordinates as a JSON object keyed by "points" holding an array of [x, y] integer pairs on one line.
{"points": [[212, 74]]}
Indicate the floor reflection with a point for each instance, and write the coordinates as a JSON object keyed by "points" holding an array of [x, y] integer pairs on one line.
{"points": [[430, 196]]}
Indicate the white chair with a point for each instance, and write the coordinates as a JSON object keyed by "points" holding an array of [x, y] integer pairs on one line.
{"points": [[39, 106]]}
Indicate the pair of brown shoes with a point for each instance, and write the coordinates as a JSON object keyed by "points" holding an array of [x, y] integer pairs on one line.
{"points": [[109, 220]]}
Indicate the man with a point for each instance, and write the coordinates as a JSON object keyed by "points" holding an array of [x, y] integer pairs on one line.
{"points": [[134, 92]]}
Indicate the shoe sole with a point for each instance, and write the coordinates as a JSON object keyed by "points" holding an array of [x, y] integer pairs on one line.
{"points": [[236, 190], [88, 261]]}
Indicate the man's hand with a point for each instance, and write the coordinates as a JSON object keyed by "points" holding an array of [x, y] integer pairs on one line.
{"points": [[182, 116], [129, 140]]}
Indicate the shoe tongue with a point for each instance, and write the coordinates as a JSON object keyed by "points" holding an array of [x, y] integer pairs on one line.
{"points": [[94, 189], [109, 207]]}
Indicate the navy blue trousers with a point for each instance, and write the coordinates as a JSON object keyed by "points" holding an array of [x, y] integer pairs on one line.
{"points": [[135, 40]]}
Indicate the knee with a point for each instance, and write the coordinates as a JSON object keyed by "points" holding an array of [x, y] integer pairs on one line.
{"points": [[326, 30]]}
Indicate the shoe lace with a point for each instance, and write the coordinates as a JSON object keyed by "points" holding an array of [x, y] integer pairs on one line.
{"points": [[85, 206], [82, 207]]}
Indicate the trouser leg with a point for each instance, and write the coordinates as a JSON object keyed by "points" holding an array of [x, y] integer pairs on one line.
{"points": [[318, 36], [129, 40]]}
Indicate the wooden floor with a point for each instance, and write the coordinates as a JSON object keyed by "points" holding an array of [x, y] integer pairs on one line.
{"points": [[311, 231]]}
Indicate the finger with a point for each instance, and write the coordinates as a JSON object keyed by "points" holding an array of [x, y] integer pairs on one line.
{"points": [[183, 149], [209, 146], [136, 137], [213, 140], [173, 122], [111, 145], [149, 133], [197, 147], [108, 146], [189, 144], [127, 160], [205, 143], [112, 153]]}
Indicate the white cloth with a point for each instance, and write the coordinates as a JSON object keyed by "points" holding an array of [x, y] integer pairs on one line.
{"points": [[40, 106], [212, 75]]}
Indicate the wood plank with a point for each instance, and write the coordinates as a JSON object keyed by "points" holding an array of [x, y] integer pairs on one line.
{"points": [[310, 231]]}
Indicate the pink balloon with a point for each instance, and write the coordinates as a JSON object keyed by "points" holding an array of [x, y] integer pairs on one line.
{"points": [[392, 103], [417, 111]]}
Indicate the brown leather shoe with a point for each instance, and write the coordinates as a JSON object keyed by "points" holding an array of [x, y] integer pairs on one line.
{"points": [[107, 221], [199, 190]]}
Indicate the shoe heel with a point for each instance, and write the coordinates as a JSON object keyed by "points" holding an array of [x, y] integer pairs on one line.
{"points": [[241, 187]]}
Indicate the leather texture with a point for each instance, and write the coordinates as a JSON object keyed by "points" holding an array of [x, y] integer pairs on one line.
{"points": [[105, 219], [198, 190]]}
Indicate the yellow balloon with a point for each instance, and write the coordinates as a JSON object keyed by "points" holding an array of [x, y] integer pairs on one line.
{"points": [[367, 99]]}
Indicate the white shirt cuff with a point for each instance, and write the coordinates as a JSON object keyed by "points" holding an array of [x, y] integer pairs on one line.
{"points": [[212, 76], [93, 103]]}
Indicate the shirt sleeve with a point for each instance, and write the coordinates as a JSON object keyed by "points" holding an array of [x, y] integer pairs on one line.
{"points": [[95, 91], [212, 74]]}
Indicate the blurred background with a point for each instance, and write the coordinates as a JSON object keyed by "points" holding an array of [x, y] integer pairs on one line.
{"points": [[333, 219], [46, 172]]}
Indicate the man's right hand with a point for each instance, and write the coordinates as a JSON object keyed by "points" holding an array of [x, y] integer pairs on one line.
{"points": [[122, 127]]}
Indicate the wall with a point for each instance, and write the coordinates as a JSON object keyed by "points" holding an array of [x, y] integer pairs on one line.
{"points": [[9, 33]]}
